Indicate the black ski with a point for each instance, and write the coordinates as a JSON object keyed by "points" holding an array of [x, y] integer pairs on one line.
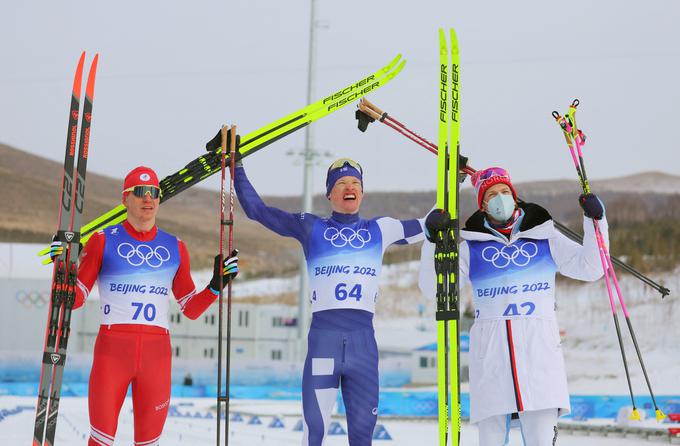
{"points": [[66, 264]]}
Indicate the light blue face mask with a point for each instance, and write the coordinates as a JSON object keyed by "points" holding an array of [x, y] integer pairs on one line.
{"points": [[501, 207]]}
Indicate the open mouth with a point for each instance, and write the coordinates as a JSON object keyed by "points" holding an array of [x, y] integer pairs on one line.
{"points": [[349, 197]]}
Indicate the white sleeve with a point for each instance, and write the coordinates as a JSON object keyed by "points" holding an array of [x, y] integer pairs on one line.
{"points": [[400, 231], [427, 278], [576, 261]]}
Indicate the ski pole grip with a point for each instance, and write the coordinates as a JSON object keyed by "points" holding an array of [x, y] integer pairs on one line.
{"points": [[369, 111], [371, 105], [233, 140], [225, 137]]}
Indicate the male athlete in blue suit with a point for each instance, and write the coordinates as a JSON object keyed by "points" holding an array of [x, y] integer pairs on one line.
{"points": [[344, 258]]}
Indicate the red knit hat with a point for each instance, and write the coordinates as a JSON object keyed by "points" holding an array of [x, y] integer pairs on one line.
{"points": [[482, 180], [140, 176]]}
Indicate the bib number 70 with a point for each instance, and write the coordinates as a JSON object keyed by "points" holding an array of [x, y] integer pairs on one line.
{"points": [[148, 311], [341, 292]]}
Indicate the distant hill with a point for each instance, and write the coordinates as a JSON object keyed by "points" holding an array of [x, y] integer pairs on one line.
{"points": [[30, 187]]}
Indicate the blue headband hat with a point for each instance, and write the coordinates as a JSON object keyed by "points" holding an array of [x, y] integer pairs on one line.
{"points": [[344, 167]]}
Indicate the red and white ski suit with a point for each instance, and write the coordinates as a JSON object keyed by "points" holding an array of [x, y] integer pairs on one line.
{"points": [[135, 271]]}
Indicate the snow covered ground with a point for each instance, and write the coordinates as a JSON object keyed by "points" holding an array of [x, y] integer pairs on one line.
{"points": [[73, 426]]}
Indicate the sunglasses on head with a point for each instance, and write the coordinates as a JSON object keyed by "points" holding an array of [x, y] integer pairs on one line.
{"points": [[485, 174], [346, 161], [141, 191]]}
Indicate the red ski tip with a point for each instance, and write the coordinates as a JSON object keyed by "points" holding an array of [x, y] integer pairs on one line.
{"points": [[78, 79], [89, 90]]}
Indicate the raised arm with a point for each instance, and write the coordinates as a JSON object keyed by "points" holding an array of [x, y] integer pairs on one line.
{"points": [[580, 261], [283, 223]]}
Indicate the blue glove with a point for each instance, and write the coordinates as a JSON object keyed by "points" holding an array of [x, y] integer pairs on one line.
{"points": [[592, 206]]}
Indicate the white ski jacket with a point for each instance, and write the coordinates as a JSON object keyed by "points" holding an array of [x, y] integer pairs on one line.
{"points": [[516, 361]]}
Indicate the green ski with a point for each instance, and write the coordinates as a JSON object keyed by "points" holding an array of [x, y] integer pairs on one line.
{"points": [[206, 165], [446, 246]]}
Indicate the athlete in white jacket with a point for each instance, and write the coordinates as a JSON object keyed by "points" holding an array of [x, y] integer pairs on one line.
{"points": [[509, 255]]}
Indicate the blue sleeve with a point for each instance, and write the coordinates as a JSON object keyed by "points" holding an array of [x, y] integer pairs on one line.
{"points": [[283, 223]]}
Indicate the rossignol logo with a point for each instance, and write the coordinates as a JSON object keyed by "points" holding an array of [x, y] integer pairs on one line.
{"points": [[443, 82], [55, 357], [74, 133], [86, 145], [69, 236], [454, 93]]}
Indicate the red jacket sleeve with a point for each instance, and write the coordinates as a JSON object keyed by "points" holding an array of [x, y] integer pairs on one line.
{"points": [[191, 303], [89, 266]]}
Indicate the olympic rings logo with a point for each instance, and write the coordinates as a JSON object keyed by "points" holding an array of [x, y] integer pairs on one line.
{"points": [[140, 254], [347, 236], [517, 255], [32, 298]]}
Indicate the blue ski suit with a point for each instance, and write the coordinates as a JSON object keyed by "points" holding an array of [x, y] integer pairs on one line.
{"points": [[344, 259]]}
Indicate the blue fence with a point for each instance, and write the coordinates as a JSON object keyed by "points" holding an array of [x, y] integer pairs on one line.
{"points": [[392, 402]]}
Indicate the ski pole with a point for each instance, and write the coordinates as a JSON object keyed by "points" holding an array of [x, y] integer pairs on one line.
{"points": [[579, 140], [228, 138], [230, 244], [375, 113], [220, 317], [567, 129]]}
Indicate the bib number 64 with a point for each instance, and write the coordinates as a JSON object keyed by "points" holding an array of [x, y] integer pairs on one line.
{"points": [[341, 292]]}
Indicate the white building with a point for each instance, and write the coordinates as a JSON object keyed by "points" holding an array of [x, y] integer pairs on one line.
{"points": [[258, 332], [424, 362]]}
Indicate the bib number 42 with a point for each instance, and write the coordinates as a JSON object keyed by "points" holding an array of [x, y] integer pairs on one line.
{"points": [[342, 293], [523, 309]]}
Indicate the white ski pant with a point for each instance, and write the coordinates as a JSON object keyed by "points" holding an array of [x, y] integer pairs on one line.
{"points": [[539, 428]]}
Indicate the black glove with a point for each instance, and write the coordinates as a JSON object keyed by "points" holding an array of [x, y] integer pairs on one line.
{"points": [[229, 270], [592, 206], [462, 162], [363, 119], [437, 220], [216, 143]]}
